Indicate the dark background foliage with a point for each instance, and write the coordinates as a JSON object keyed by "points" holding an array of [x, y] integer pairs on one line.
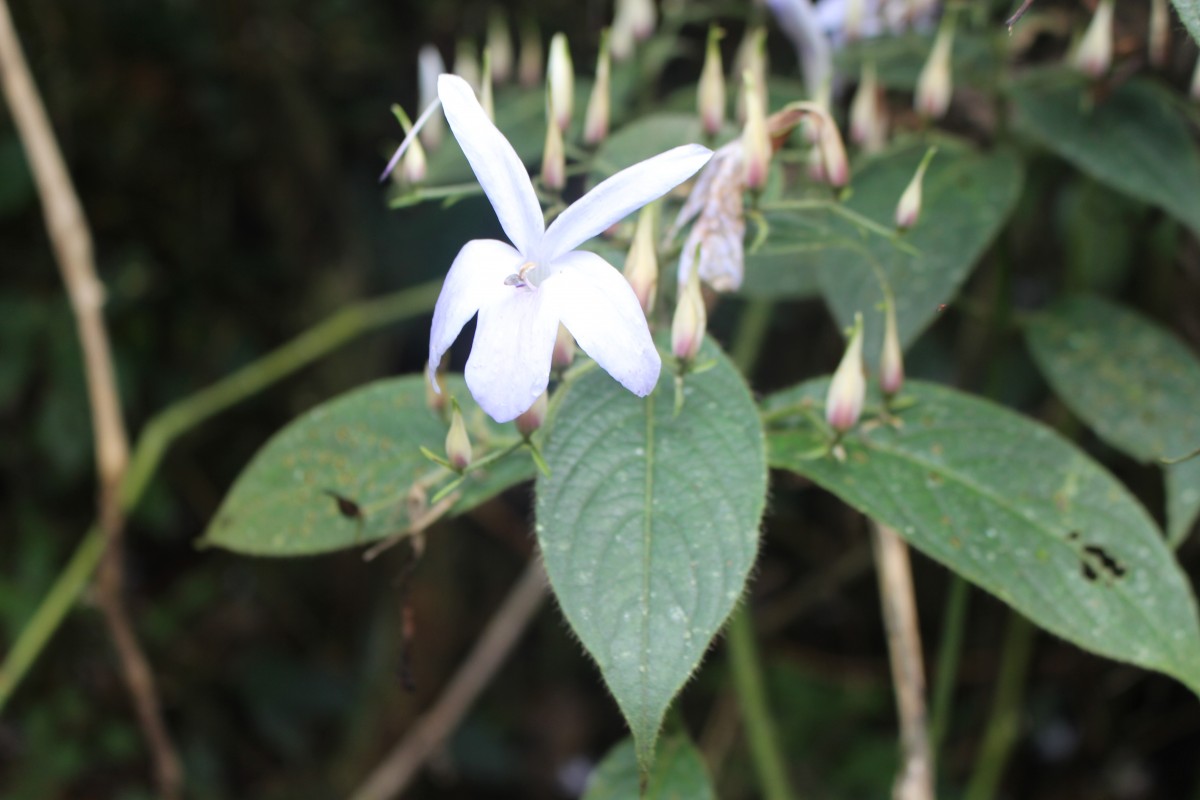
{"points": [[226, 154]]}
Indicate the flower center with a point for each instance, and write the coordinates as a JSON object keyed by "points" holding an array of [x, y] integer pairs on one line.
{"points": [[528, 275]]}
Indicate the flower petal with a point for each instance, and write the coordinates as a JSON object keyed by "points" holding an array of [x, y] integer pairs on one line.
{"points": [[509, 365], [615, 198], [496, 164], [600, 309], [475, 280]]}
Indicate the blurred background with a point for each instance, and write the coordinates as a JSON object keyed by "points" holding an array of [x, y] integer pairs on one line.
{"points": [[227, 156]]}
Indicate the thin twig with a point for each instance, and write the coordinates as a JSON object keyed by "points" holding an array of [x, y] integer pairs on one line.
{"points": [[400, 765], [1020, 12], [72, 243], [914, 781]]}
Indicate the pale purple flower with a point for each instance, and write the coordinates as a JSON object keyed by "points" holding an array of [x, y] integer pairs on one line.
{"points": [[522, 291]]}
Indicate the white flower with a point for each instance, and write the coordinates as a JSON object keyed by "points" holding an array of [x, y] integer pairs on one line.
{"points": [[522, 291]]}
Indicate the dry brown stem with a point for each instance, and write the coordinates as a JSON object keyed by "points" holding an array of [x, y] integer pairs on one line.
{"points": [[72, 243]]}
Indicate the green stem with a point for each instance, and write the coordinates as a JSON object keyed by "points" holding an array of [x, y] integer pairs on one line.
{"points": [[744, 662], [180, 417], [752, 697], [1004, 723], [954, 621]]}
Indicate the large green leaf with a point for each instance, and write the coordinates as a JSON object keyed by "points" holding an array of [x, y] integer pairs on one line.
{"points": [[1189, 12], [648, 524], [341, 474], [1135, 139], [678, 774], [1133, 382], [968, 196], [1015, 508]]}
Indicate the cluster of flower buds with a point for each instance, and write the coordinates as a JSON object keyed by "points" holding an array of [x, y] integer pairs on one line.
{"points": [[935, 84], [1094, 54]]}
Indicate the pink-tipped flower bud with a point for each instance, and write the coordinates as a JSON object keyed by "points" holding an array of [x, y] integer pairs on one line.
{"points": [[533, 418], [564, 348], [560, 77], [529, 61], [891, 360], [466, 64], [429, 66], [908, 210], [848, 389], [710, 95], [1094, 54], [595, 121], [458, 444], [499, 44], [833, 153], [691, 318], [554, 158], [1160, 33], [756, 141], [641, 264], [485, 90], [935, 84], [752, 56], [868, 126]]}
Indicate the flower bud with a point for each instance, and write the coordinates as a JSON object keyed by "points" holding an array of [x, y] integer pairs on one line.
{"points": [[564, 348], [891, 360], [752, 55], [909, 207], [1160, 33], [435, 398], [561, 81], [1194, 91], [868, 128], [833, 153], [595, 121], [529, 61], [848, 389], [710, 96], [755, 139], [413, 165], [641, 264], [458, 444], [485, 91], [429, 67], [687, 328], [466, 64], [641, 16], [499, 44], [853, 24], [1094, 54], [533, 418], [935, 85], [554, 159]]}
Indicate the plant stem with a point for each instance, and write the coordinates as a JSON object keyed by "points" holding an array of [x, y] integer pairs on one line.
{"points": [[1004, 722], [744, 663], [954, 621], [178, 418], [752, 697]]}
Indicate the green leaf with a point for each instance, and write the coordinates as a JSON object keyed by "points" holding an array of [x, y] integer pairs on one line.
{"points": [[967, 197], [341, 474], [678, 774], [1135, 139], [648, 525], [1013, 507], [647, 136], [1189, 12], [1133, 382]]}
